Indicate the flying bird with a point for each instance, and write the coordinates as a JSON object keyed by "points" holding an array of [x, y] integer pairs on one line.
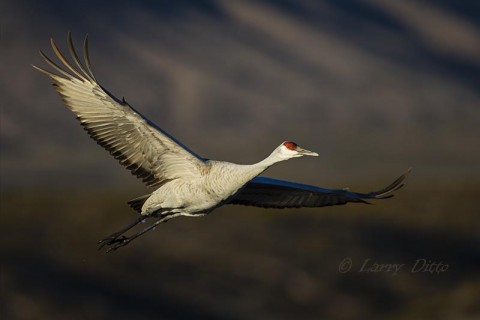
{"points": [[185, 184]]}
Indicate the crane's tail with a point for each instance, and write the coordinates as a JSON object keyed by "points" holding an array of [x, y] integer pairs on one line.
{"points": [[137, 203]]}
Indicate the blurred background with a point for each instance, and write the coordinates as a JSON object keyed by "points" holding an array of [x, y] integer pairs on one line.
{"points": [[374, 86]]}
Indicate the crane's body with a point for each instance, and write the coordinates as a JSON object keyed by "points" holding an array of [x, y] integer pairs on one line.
{"points": [[185, 183], [220, 180]]}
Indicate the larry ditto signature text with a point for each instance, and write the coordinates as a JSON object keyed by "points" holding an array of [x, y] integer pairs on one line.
{"points": [[369, 265]]}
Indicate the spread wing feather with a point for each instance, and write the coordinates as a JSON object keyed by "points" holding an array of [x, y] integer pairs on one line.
{"points": [[146, 150], [272, 193]]}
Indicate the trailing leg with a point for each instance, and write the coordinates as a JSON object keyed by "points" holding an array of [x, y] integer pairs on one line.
{"points": [[123, 241], [117, 236]]}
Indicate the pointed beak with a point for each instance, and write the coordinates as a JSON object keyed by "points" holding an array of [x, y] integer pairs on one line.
{"points": [[305, 152]]}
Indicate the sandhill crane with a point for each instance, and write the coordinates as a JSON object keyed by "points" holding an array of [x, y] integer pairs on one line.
{"points": [[186, 184]]}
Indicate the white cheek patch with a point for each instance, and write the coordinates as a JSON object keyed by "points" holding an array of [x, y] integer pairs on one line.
{"points": [[288, 153]]}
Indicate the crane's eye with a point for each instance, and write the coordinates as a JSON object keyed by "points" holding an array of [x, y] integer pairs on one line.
{"points": [[290, 145]]}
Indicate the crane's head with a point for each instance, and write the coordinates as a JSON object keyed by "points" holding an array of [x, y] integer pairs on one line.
{"points": [[289, 149]]}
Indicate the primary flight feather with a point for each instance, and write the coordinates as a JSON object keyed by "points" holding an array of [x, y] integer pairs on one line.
{"points": [[185, 183]]}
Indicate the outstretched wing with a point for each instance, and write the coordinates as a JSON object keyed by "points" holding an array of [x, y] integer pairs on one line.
{"points": [[146, 150], [272, 193]]}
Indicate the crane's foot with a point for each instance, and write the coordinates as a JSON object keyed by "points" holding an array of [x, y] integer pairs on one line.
{"points": [[118, 243], [110, 240], [118, 236]]}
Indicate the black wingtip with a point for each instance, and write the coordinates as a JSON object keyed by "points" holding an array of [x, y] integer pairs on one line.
{"points": [[386, 192]]}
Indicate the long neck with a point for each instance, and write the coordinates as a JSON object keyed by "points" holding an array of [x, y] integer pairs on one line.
{"points": [[246, 172], [238, 174], [270, 160], [263, 165]]}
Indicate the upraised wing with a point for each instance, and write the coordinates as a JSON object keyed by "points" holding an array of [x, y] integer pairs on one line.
{"points": [[146, 150], [272, 193]]}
